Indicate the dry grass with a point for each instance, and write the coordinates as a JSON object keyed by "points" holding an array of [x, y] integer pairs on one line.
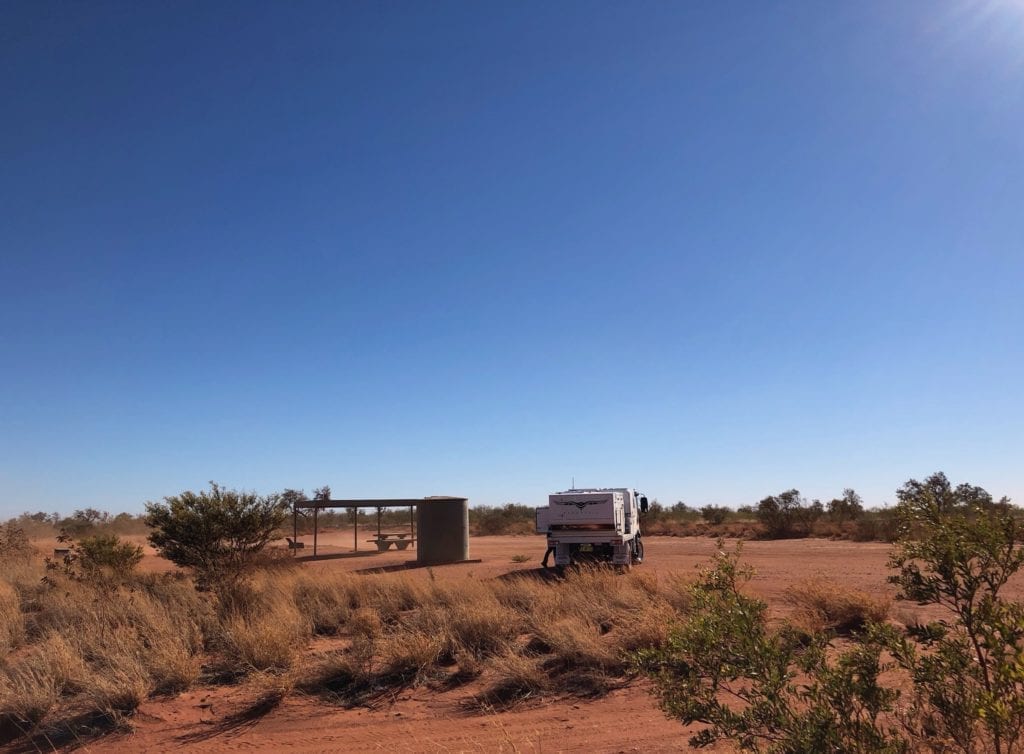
{"points": [[89, 651], [12, 624], [265, 635], [820, 604], [94, 652], [28, 691], [513, 678]]}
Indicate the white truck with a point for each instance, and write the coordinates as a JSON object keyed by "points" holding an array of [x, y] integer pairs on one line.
{"points": [[593, 524]]}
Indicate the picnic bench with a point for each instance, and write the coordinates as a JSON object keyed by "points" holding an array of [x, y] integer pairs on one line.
{"points": [[294, 545], [400, 541]]}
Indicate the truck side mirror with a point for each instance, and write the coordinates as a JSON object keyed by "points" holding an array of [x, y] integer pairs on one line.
{"points": [[643, 503]]}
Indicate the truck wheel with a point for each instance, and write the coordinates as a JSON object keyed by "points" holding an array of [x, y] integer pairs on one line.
{"points": [[638, 556]]}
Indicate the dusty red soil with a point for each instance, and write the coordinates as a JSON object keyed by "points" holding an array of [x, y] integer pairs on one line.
{"points": [[626, 720]]}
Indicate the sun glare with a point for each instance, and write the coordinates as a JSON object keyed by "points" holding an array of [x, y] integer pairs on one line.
{"points": [[998, 25]]}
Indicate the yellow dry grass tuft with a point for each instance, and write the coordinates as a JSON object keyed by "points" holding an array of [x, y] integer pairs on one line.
{"points": [[820, 604], [513, 678], [266, 633], [12, 624]]}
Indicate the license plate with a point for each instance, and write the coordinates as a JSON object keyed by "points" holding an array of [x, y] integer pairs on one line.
{"points": [[586, 548]]}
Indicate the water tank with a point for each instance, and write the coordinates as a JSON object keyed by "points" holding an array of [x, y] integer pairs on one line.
{"points": [[442, 530]]}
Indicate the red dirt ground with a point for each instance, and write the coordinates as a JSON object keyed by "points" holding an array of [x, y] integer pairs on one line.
{"points": [[627, 720]]}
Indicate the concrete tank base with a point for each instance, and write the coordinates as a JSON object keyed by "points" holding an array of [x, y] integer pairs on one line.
{"points": [[442, 530]]}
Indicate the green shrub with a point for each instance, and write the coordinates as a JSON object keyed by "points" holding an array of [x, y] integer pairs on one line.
{"points": [[849, 507], [959, 551], [216, 533], [725, 667], [83, 521], [715, 514], [787, 515], [511, 518], [877, 525], [790, 690], [107, 552]]}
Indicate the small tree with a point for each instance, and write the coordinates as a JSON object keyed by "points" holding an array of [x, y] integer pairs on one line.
{"points": [[216, 533], [725, 666], [849, 507], [84, 521], [937, 495], [787, 514], [682, 511], [714, 514], [958, 551], [656, 513], [777, 690]]}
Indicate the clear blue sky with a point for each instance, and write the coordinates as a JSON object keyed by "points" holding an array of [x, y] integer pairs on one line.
{"points": [[713, 250]]}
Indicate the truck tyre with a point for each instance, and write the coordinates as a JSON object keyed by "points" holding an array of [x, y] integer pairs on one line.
{"points": [[638, 556]]}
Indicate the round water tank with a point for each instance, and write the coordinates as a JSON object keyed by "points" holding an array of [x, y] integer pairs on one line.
{"points": [[442, 530]]}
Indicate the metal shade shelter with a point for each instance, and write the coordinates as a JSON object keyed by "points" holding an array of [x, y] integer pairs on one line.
{"points": [[441, 517]]}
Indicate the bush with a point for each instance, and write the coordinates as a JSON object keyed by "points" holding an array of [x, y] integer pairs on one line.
{"points": [[878, 525], [511, 518], [787, 515], [83, 521], [714, 514], [724, 666], [959, 551], [108, 553], [216, 533], [849, 507]]}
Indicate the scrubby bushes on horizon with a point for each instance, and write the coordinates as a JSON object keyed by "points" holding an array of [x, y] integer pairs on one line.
{"points": [[511, 518], [715, 514], [787, 515]]}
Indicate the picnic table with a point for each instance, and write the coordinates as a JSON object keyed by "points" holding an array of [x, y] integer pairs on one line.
{"points": [[401, 541]]}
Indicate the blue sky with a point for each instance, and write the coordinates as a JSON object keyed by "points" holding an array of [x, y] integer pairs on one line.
{"points": [[712, 250]]}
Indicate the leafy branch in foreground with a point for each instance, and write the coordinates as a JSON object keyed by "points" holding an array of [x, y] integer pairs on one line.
{"points": [[785, 691], [958, 551], [768, 690]]}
